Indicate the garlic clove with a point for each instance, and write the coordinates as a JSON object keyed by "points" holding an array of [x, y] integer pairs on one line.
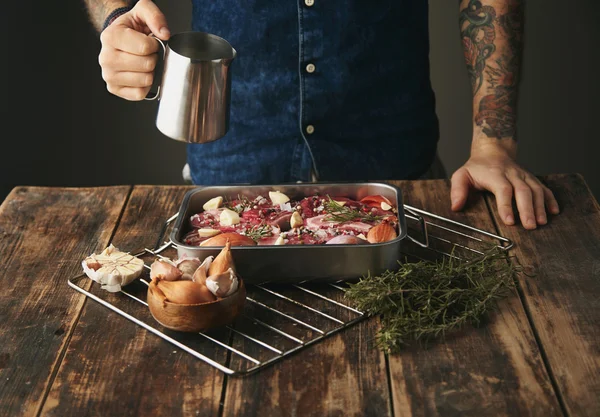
{"points": [[112, 268], [164, 269], [296, 220], [229, 218], [277, 197], [208, 232], [187, 266], [223, 261], [185, 292], [201, 272], [213, 203], [280, 241], [223, 284], [385, 206]]}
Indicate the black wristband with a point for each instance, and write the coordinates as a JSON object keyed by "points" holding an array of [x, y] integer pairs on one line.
{"points": [[113, 15]]}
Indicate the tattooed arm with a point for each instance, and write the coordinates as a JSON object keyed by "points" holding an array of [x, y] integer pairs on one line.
{"points": [[492, 38]]}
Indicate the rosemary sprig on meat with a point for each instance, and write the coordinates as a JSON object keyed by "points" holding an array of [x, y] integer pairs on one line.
{"points": [[259, 231], [238, 205], [338, 213], [426, 299]]}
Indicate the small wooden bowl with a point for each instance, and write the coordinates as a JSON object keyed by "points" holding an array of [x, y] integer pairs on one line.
{"points": [[195, 317]]}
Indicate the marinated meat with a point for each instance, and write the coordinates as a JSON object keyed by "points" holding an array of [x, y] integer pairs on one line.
{"points": [[323, 219]]}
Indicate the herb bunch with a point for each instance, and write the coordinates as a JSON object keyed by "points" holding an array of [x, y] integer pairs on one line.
{"points": [[258, 232], [339, 213], [425, 300]]}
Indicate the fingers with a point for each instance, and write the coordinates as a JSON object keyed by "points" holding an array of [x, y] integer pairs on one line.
{"points": [[128, 93], [539, 205], [129, 79], [116, 61], [461, 182], [525, 202], [503, 190], [550, 200], [126, 39], [149, 13]]}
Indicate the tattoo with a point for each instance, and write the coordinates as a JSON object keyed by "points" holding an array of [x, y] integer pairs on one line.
{"points": [[492, 45], [98, 10]]}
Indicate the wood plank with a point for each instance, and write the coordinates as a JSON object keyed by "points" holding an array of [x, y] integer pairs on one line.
{"points": [[44, 233], [562, 297], [494, 370], [342, 375], [114, 367]]}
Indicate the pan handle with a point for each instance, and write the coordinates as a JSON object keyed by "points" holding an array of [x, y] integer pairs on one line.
{"points": [[422, 223]]}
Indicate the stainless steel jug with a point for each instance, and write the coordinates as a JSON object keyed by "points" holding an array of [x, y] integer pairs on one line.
{"points": [[194, 93]]}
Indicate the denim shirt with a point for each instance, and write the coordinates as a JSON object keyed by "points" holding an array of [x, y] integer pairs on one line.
{"points": [[339, 89]]}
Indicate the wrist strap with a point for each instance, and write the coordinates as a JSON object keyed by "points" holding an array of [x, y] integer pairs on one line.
{"points": [[113, 15]]}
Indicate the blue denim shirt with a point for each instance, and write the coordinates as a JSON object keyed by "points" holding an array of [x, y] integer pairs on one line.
{"points": [[338, 88]]}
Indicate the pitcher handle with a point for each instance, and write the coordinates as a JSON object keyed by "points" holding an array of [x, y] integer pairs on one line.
{"points": [[164, 48]]}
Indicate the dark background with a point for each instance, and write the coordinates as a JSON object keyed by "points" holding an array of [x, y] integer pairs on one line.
{"points": [[60, 127]]}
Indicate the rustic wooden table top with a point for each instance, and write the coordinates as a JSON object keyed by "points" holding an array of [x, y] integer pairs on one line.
{"points": [[62, 354]]}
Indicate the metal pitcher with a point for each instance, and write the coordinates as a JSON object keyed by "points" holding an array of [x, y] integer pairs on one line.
{"points": [[194, 93]]}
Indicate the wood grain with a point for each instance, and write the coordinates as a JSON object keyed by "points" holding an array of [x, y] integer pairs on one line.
{"points": [[44, 235], [114, 367], [562, 295], [494, 370], [342, 375]]}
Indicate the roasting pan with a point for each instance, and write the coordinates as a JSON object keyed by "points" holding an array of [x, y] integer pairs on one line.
{"points": [[297, 263]]}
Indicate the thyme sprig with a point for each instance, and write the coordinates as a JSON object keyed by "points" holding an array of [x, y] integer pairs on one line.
{"points": [[259, 231], [339, 213], [425, 300]]}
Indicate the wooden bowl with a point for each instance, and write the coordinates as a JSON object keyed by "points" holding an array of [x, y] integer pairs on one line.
{"points": [[195, 317]]}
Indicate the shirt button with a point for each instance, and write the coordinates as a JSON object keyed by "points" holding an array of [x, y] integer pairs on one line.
{"points": [[310, 129], [310, 68], [309, 2]]}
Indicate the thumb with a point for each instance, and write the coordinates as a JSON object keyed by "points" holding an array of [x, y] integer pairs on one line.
{"points": [[149, 14], [461, 182]]}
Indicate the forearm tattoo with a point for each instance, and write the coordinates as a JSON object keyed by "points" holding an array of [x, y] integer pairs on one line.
{"points": [[492, 44], [98, 10]]}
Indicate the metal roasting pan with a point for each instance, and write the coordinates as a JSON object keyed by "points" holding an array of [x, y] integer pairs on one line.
{"points": [[297, 263]]}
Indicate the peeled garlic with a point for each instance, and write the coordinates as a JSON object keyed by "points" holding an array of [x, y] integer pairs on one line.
{"points": [[277, 197], [112, 268], [223, 284], [280, 241], [187, 266], [185, 292], [385, 206], [208, 232], [213, 203], [296, 220], [164, 269], [229, 218]]}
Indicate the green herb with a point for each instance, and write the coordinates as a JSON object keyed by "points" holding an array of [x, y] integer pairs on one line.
{"points": [[238, 205], [338, 213], [426, 299], [258, 232]]}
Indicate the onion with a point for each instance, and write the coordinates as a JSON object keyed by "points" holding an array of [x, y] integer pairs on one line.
{"points": [[346, 240], [185, 292], [202, 271], [223, 262]]}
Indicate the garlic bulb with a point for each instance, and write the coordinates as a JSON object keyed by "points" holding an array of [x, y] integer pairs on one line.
{"points": [[185, 292], [187, 266], [164, 269], [112, 268]]}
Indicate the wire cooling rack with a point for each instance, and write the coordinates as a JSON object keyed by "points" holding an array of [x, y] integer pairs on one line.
{"points": [[279, 320]]}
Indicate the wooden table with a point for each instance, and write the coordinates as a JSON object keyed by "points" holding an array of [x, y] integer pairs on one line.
{"points": [[62, 354]]}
